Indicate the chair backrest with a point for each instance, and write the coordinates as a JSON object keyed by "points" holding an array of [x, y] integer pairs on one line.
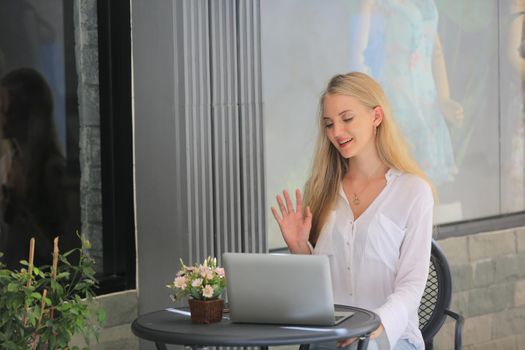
{"points": [[437, 295]]}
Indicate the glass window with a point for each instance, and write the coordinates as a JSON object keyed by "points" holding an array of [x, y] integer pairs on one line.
{"points": [[451, 70], [39, 153], [512, 74]]}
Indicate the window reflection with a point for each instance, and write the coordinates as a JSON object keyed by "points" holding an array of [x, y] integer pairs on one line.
{"points": [[512, 108], [32, 168], [454, 74], [397, 43], [39, 168]]}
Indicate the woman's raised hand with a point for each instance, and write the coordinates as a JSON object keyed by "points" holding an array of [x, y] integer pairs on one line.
{"points": [[294, 224]]}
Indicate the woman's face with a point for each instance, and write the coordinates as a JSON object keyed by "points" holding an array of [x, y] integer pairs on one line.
{"points": [[349, 124]]}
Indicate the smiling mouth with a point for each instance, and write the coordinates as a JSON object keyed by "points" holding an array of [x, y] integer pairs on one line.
{"points": [[345, 142]]}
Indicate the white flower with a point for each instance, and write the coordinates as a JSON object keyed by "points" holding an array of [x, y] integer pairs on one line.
{"points": [[180, 282], [197, 282], [207, 292]]}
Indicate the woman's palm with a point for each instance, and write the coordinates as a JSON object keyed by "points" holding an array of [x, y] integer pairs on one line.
{"points": [[295, 224]]}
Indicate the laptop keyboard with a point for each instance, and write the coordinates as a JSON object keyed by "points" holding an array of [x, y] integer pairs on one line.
{"points": [[338, 317]]}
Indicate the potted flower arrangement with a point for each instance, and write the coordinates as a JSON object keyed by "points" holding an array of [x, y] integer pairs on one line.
{"points": [[204, 284]]}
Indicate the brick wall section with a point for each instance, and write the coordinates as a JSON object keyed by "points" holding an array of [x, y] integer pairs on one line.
{"points": [[86, 50], [488, 276], [121, 308]]}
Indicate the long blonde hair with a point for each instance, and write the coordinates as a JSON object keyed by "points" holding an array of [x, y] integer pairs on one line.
{"points": [[329, 166]]}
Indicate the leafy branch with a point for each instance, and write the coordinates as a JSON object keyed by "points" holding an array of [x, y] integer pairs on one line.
{"points": [[43, 307]]}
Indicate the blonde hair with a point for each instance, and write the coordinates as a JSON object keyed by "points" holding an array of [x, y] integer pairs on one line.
{"points": [[329, 166]]}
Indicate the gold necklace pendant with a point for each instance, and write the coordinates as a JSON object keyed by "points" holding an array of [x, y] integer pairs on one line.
{"points": [[356, 199]]}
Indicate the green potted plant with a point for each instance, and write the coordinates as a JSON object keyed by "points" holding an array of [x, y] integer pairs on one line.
{"points": [[43, 307], [204, 284]]}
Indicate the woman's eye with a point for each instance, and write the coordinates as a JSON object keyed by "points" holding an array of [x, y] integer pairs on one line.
{"points": [[348, 119], [328, 125]]}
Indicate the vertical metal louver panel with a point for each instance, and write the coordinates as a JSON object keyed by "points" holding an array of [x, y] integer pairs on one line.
{"points": [[250, 111], [225, 126], [222, 118], [198, 129]]}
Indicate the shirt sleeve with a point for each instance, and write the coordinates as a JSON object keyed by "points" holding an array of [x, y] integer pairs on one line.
{"points": [[412, 270]]}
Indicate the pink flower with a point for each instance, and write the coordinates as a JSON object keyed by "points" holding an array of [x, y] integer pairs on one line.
{"points": [[180, 282], [207, 292], [220, 271], [197, 282], [204, 271]]}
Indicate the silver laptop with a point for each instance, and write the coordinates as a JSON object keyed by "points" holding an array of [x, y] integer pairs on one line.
{"points": [[280, 289]]}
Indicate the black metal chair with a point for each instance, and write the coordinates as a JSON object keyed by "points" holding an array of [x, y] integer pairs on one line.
{"points": [[436, 298]]}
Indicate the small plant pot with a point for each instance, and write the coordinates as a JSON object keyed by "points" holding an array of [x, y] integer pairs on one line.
{"points": [[206, 311]]}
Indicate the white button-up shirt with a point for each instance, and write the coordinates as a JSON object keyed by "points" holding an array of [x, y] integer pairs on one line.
{"points": [[380, 261]]}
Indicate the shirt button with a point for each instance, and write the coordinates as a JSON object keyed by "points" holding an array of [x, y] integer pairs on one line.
{"points": [[348, 268], [347, 243]]}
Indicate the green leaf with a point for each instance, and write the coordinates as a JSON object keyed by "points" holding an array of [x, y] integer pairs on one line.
{"points": [[57, 288], [63, 275], [13, 287], [101, 316]]}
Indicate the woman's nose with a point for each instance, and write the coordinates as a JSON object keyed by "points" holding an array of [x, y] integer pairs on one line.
{"points": [[338, 129]]}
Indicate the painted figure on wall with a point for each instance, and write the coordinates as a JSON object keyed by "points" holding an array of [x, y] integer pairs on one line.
{"points": [[413, 73]]}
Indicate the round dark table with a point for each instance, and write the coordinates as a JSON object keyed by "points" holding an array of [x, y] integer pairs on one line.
{"points": [[173, 326]]}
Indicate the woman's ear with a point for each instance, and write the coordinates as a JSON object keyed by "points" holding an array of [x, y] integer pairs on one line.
{"points": [[378, 115]]}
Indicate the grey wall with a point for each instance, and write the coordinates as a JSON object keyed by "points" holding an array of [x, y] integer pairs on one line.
{"points": [[198, 136]]}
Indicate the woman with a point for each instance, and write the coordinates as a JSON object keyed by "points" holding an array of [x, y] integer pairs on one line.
{"points": [[368, 207]]}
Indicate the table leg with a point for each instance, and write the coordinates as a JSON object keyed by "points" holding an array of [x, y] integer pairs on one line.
{"points": [[160, 346], [264, 348], [304, 347], [363, 343]]}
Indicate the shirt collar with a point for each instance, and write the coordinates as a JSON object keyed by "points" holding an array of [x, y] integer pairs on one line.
{"points": [[391, 174]]}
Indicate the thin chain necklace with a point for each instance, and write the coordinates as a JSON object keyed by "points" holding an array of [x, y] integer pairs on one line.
{"points": [[355, 198]]}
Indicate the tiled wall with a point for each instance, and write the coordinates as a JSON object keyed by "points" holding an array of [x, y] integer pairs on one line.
{"points": [[488, 276], [121, 310]]}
